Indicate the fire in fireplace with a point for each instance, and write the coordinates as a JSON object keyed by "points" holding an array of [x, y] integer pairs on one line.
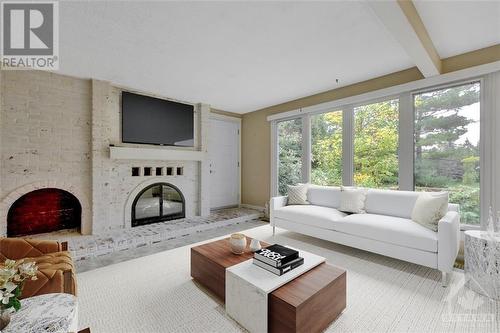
{"points": [[43, 210], [156, 203]]}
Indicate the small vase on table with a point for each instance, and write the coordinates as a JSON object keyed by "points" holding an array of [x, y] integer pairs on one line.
{"points": [[255, 245], [238, 243]]}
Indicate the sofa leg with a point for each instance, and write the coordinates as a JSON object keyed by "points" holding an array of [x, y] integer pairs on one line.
{"points": [[444, 279], [274, 230]]}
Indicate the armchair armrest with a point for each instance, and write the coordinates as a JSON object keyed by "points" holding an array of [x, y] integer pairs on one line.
{"points": [[448, 240], [276, 202], [50, 281], [18, 248]]}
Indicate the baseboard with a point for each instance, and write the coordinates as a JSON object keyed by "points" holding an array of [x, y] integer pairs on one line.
{"points": [[259, 208]]}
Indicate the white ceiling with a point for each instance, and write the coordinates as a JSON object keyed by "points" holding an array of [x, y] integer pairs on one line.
{"points": [[241, 56], [460, 26]]}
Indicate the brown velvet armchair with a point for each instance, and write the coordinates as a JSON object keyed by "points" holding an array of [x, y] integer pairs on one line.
{"points": [[56, 272]]}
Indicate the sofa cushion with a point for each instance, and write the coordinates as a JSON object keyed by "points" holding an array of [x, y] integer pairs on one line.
{"points": [[390, 202], [317, 216], [389, 229], [430, 207], [352, 199], [327, 196], [297, 195]]}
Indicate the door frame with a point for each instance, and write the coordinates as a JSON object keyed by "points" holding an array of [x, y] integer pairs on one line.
{"points": [[217, 116]]}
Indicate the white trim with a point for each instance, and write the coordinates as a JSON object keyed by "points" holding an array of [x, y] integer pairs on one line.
{"points": [[222, 117], [430, 82], [158, 154], [259, 208], [306, 148], [406, 142], [348, 145], [494, 135], [490, 143], [274, 159]]}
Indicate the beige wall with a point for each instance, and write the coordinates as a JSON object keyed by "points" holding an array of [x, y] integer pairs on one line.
{"points": [[256, 132]]}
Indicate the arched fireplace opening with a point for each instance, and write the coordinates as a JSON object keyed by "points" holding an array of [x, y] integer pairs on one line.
{"points": [[156, 203], [44, 210]]}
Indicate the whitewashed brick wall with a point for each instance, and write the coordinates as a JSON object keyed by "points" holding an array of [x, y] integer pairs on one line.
{"points": [[45, 134], [55, 127]]}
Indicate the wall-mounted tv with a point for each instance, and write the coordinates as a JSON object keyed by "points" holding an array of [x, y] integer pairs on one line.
{"points": [[156, 121]]}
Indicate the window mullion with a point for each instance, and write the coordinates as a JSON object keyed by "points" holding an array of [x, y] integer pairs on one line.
{"points": [[406, 142], [348, 145], [274, 159], [306, 148]]}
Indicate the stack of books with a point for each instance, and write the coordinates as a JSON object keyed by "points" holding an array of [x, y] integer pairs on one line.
{"points": [[277, 259]]}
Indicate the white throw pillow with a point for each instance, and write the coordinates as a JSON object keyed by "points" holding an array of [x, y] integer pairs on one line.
{"points": [[352, 200], [430, 208], [297, 195]]}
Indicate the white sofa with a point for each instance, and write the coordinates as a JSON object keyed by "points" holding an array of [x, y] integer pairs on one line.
{"points": [[386, 228]]}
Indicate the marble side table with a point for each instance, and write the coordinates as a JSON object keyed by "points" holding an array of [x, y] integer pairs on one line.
{"points": [[54, 313], [248, 287], [482, 263]]}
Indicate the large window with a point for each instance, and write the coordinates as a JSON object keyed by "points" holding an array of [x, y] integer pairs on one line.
{"points": [[447, 145], [289, 153], [326, 148], [376, 145], [422, 140]]}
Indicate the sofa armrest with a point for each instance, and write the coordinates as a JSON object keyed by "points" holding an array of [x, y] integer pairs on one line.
{"points": [[18, 248], [448, 240], [276, 202]]}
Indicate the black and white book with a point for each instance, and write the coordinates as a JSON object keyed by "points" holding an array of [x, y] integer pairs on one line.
{"points": [[280, 270], [276, 255]]}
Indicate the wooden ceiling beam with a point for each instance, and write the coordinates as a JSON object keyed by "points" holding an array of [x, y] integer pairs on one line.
{"points": [[402, 20]]}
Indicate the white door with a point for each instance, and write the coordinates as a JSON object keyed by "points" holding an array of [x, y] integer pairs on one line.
{"points": [[224, 146]]}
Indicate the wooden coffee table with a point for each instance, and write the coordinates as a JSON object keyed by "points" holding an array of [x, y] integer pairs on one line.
{"points": [[309, 303]]}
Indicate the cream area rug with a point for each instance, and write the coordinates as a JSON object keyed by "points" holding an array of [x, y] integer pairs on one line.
{"points": [[156, 294]]}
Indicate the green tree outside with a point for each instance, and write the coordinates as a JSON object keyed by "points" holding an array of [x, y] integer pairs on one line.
{"points": [[445, 156]]}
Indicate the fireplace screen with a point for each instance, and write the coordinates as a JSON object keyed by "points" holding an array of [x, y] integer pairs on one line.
{"points": [[156, 203]]}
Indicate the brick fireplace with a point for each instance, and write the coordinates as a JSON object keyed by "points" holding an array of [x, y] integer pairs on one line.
{"points": [[44, 210], [56, 132]]}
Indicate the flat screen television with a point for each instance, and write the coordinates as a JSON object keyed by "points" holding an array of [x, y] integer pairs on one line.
{"points": [[156, 121]]}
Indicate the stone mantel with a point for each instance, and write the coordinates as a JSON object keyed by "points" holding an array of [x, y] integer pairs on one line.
{"points": [[158, 154]]}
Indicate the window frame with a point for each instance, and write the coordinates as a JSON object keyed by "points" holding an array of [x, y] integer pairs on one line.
{"points": [[353, 132], [305, 172], [309, 162], [482, 171], [405, 95]]}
